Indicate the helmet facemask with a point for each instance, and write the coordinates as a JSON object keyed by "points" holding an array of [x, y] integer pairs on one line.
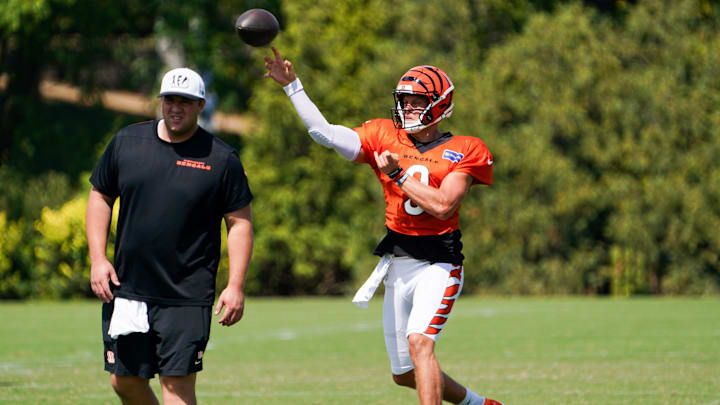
{"points": [[401, 121]]}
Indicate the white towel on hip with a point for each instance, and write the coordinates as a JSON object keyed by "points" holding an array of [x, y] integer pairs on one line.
{"points": [[364, 293], [128, 316]]}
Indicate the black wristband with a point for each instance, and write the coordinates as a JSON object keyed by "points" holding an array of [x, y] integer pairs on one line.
{"points": [[393, 174]]}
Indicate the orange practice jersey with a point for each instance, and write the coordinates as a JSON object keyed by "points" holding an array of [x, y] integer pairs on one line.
{"points": [[429, 165]]}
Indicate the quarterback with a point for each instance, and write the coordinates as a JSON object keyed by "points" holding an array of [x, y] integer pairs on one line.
{"points": [[425, 174]]}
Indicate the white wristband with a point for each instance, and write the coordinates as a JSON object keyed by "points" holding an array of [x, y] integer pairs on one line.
{"points": [[293, 87]]}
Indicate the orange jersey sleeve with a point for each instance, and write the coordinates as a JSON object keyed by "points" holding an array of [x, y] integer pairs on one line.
{"points": [[429, 163]]}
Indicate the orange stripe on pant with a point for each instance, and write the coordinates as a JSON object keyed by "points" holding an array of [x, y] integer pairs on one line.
{"points": [[449, 297]]}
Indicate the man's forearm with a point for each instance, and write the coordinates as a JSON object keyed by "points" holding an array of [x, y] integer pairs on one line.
{"points": [[438, 202], [240, 244], [97, 224]]}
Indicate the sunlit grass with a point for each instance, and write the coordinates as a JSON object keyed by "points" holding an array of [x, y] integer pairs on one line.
{"points": [[327, 351]]}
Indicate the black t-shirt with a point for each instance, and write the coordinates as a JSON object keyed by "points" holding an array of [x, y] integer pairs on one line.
{"points": [[172, 200]]}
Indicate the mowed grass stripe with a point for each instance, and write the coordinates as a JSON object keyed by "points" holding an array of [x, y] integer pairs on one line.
{"points": [[327, 351]]}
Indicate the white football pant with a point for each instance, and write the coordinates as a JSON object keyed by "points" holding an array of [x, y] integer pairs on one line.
{"points": [[418, 299]]}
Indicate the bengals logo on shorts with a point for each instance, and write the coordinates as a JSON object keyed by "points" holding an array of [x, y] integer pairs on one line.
{"points": [[110, 357]]}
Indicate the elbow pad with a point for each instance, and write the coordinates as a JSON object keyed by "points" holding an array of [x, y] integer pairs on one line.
{"points": [[344, 140], [318, 136]]}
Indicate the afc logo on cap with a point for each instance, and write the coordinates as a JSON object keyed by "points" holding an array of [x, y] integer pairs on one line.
{"points": [[179, 81], [183, 82]]}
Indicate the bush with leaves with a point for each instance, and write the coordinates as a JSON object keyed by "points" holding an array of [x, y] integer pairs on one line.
{"points": [[607, 150]]}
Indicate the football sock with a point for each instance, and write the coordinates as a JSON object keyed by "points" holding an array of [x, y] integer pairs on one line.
{"points": [[472, 398]]}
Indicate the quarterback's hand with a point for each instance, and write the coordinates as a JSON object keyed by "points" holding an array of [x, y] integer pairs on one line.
{"points": [[387, 162], [100, 273], [279, 69], [234, 302]]}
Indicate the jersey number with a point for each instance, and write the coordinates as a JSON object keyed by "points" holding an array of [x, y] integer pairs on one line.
{"points": [[410, 208]]}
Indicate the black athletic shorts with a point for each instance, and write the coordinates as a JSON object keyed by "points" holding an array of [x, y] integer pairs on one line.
{"points": [[173, 346]]}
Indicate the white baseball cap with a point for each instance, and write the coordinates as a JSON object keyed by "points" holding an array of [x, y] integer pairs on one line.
{"points": [[183, 82]]}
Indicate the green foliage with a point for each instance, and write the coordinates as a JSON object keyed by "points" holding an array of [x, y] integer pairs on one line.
{"points": [[603, 184], [63, 265], [48, 258], [318, 216], [68, 146], [15, 259], [61, 259], [204, 32], [18, 15], [606, 151], [601, 116], [101, 44], [313, 211]]}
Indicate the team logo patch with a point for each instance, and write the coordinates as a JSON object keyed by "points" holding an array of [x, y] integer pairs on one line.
{"points": [[110, 357], [452, 156], [180, 81], [199, 359], [194, 164]]}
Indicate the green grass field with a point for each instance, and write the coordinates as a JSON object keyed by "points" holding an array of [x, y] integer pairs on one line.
{"points": [[327, 351]]}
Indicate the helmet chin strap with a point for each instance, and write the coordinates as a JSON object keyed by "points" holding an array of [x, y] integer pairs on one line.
{"points": [[413, 127]]}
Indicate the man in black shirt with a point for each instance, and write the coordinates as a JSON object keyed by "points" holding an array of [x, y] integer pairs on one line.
{"points": [[176, 182]]}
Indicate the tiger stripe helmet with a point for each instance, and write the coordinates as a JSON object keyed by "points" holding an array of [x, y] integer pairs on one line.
{"points": [[430, 82]]}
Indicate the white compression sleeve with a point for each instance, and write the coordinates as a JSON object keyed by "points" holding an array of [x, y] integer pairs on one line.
{"points": [[343, 139]]}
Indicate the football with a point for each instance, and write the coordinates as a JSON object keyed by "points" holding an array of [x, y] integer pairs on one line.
{"points": [[257, 27]]}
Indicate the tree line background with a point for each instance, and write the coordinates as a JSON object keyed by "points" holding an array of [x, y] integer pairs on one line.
{"points": [[602, 117]]}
